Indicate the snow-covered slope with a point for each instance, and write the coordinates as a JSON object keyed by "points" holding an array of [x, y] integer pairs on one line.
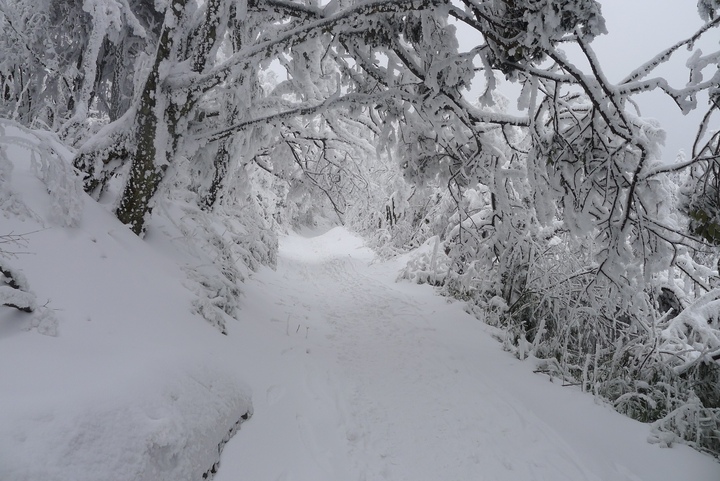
{"points": [[352, 376], [111, 377]]}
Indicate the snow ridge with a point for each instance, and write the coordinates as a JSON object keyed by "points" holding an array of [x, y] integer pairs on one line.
{"points": [[129, 384]]}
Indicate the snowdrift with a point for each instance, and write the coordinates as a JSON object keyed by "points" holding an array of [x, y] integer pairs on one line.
{"points": [[110, 375]]}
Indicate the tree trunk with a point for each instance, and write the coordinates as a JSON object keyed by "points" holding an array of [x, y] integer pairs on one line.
{"points": [[221, 163], [148, 166]]}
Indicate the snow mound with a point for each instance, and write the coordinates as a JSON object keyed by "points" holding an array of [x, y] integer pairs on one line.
{"points": [[120, 388], [172, 429]]}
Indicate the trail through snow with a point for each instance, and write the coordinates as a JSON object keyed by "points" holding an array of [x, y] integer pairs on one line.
{"points": [[363, 379]]}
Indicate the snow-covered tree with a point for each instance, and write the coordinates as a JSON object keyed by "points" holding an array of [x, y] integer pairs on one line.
{"points": [[202, 51], [62, 61]]}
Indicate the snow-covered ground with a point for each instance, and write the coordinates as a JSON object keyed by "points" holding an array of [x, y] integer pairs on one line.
{"points": [[112, 377], [351, 375], [369, 379]]}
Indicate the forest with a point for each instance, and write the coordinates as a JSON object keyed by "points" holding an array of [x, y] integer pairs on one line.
{"points": [[555, 215]]}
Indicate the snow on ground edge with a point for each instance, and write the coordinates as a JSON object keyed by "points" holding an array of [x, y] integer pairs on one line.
{"points": [[123, 390]]}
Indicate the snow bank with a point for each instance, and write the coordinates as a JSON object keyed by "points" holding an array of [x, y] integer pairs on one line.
{"points": [[130, 384], [169, 425]]}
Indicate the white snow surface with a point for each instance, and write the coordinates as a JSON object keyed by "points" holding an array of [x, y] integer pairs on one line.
{"points": [[368, 379], [129, 385], [352, 376]]}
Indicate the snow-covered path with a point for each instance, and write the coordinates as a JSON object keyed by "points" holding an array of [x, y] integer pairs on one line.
{"points": [[360, 378], [353, 376]]}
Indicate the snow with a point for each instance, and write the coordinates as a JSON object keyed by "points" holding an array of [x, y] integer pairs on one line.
{"points": [[372, 379], [130, 388], [348, 375]]}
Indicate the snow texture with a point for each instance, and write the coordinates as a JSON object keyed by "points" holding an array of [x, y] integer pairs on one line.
{"points": [[128, 389], [363, 378]]}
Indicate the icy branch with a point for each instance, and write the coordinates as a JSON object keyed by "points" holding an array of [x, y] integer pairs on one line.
{"points": [[351, 18], [663, 56]]}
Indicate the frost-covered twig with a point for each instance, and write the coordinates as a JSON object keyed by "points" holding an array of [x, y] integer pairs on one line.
{"points": [[665, 55]]}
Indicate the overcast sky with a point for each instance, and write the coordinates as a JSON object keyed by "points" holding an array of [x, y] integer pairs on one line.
{"points": [[637, 31]]}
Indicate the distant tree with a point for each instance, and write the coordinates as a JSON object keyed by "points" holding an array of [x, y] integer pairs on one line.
{"points": [[61, 59], [701, 192]]}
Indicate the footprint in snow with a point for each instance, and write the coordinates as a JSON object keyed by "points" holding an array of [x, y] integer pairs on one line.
{"points": [[275, 394]]}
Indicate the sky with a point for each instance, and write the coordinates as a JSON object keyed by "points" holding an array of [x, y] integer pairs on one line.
{"points": [[637, 31]]}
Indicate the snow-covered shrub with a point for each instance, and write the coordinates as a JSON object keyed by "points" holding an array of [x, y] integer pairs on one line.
{"points": [[397, 217], [664, 371], [50, 161], [51, 167], [60, 179], [14, 289], [688, 346], [15, 292], [43, 155], [216, 294], [691, 423], [693, 336], [11, 203], [222, 244], [430, 265], [406, 220]]}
